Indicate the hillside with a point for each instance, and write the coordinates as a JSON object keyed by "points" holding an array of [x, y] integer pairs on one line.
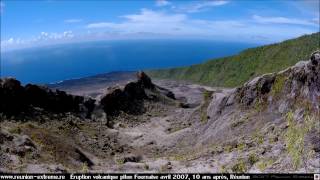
{"points": [[235, 70]]}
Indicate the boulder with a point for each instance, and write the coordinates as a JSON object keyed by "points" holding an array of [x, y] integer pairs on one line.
{"points": [[132, 158], [315, 58]]}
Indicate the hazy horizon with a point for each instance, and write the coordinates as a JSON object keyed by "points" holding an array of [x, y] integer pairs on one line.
{"points": [[67, 61]]}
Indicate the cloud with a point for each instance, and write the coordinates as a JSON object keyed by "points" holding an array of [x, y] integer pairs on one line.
{"points": [[72, 20], [147, 20], [99, 25], [11, 42], [161, 23], [200, 6], [149, 16], [161, 3], [42, 38], [283, 20]]}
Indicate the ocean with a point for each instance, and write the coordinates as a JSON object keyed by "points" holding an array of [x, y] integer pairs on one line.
{"points": [[43, 65]]}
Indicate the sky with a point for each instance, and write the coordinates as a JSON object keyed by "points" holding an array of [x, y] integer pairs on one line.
{"points": [[44, 22]]}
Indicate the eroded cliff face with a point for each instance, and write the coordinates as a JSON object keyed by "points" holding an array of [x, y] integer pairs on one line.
{"points": [[272, 96]]}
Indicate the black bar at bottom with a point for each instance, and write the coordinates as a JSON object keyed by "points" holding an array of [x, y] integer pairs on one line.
{"points": [[156, 176]]}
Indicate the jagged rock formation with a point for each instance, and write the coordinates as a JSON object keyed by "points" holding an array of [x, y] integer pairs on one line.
{"points": [[17, 99], [130, 98]]}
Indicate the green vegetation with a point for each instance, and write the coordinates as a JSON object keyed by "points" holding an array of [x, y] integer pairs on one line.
{"points": [[258, 137], [295, 137], [278, 85], [85, 168], [239, 167], [253, 158], [265, 163], [15, 130], [235, 70], [241, 146], [294, 140], [119, 160], [204, 106]]}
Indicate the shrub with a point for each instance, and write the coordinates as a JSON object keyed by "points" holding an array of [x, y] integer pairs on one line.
{"points": [[239, 167]]}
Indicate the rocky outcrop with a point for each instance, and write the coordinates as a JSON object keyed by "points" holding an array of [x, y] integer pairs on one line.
{"points": [[130, 98], [293, 86], [17, 99], [273, 115], [279, 92]]}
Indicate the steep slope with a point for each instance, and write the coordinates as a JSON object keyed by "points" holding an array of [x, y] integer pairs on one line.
{"points": [[235, 70], [270, 124]]}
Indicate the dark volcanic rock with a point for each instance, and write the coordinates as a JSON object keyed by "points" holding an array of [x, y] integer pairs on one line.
{"points": [[16, 99], [131, 98], [132, 158], [12, 95], [145, 80], [315, 58], [256, 88]]}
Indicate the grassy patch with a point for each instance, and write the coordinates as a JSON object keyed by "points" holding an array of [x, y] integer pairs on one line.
{"points": [[203, 109], [260, 105], [258, 137], [241, 146], [236, 122], [294, 137], [239, 167], [85, 168], [294, 140], [278, 85], [223, 169], [15, 130], [253, 158], [265, 163], [228, 148]]}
